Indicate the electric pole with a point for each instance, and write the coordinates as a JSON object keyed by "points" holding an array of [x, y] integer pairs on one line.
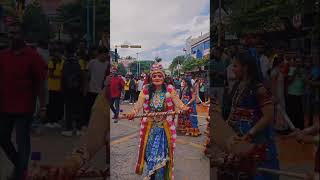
{"points": [[94, 22]]}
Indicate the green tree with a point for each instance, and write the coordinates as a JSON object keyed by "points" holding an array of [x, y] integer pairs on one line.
{"points": [[144, 66], [73, 16], [192, 64], [177, 60], [260, 16], [121, 69], [102, 20], [36, 24]]}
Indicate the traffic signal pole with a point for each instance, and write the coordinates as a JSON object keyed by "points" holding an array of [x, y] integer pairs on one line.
{"points": [[124, 46]]}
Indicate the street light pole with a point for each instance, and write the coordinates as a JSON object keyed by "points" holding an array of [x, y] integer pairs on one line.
{"points": [[219, 26], [94, 22], [137, 64], [88, 24]]}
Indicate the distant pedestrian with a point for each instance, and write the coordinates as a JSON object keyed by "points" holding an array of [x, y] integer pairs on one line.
{"points": [[56, 102], [96, 70], [297, 78], [126, 89], [72, 87], [202, 89], [132, 90], [140, 86], [116, 87], [177, 84], [146, 79]]}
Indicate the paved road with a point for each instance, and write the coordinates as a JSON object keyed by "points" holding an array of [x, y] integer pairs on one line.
{"points": [[55, 148], [190, 163]]}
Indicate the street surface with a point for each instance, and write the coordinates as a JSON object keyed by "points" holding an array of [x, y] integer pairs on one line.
{"points": [[55, 148], [190, 163]]}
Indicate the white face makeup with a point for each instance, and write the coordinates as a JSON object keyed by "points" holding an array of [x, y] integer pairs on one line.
{"points": [[157, 78]]}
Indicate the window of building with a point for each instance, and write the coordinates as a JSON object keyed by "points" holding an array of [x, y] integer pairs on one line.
{"points": [[207, 45]]}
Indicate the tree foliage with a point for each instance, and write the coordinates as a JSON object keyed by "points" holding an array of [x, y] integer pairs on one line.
{"points": [[144, 66], [250, 16], [177, 60], [36, 24], [193, 63], [73, 16], [121, 69]]}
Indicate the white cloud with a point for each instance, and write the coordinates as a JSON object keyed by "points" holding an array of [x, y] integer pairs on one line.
{"points": [[157, 23]]}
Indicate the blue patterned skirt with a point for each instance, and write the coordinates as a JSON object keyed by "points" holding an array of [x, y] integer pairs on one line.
{"points": [[157, 151]]}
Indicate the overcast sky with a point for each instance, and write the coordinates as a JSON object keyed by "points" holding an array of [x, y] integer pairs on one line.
{"points": [[160, 26]]}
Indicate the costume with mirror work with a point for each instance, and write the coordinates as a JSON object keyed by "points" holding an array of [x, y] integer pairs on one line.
{"points": [[157, 134], [245, 113]]}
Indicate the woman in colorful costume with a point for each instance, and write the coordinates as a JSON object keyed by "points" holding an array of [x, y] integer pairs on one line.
{"points": [[207, 132], [157, 134], [188, 124], [251, 117]]}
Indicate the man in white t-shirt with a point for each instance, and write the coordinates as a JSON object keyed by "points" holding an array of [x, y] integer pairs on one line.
{"points": [[140, 86], [96, 72]]}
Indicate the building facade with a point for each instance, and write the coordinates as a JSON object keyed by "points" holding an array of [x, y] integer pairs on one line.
{"points": [[198, 47]]}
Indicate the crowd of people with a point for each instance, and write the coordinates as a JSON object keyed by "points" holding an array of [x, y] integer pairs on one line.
{"points": [[291, 78], [127, 89], [260, 91], [75, 78]]}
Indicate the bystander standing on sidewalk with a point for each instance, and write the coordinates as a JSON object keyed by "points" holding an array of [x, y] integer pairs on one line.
{"points": [[140, 86], [132, 90], [96, 70], [297, 78], [72, 88], [19, 89], [126, 89], [56, 103]]}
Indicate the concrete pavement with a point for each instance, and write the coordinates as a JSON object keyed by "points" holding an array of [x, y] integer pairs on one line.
{"points": [[190, 163]]}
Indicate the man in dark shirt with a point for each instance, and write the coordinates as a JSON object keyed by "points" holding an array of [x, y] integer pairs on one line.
{"points": [[22, 77]]}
